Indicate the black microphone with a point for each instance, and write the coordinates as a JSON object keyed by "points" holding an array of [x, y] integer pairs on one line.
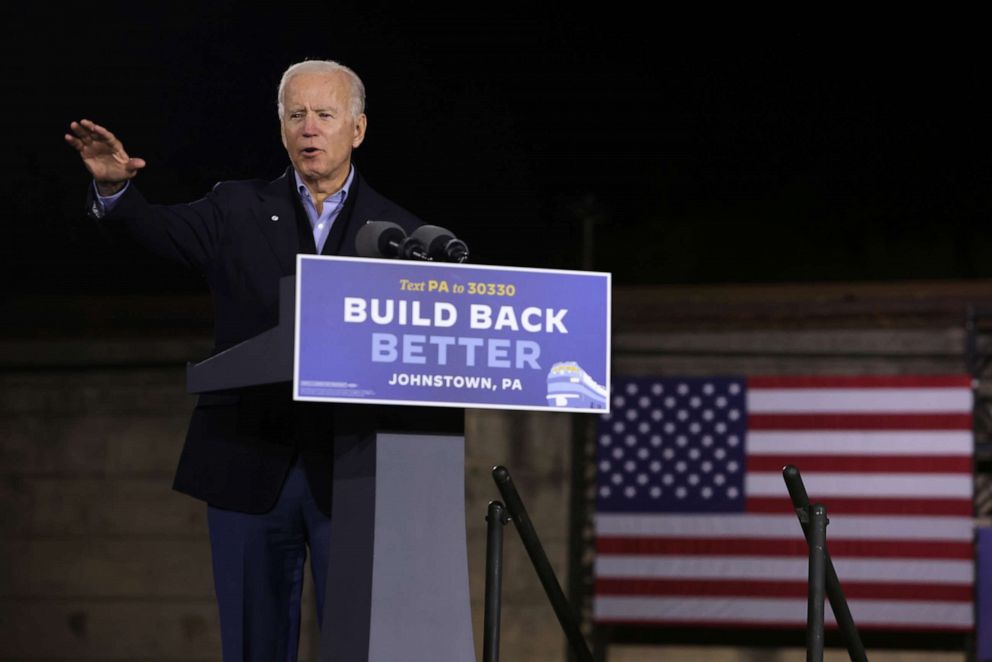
{"points": [[441, 244], [385, 239]]}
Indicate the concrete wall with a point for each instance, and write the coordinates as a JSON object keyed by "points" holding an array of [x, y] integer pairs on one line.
{"points": [[100, 560]]}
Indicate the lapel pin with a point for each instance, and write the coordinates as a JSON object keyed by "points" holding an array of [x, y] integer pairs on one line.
{"points": [[274, 218]]}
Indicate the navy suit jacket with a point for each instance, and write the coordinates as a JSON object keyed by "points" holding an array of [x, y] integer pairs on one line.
{"points": [[243, 237]]}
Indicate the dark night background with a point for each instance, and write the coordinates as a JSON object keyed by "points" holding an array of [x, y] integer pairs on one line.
{"points": [[820, 149]]}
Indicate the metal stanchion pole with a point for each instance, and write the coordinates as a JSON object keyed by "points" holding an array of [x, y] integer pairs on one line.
{"points": [[817, 582], [838, 603], [495, 520], [518, 515]]}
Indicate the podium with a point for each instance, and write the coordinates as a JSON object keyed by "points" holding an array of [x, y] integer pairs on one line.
{"points": [[386, 334], [397, 584]]}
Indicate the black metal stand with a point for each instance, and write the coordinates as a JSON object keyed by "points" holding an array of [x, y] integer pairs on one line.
{"points": [[817, 582], [495, 521], [822, 576], [518, 515]]}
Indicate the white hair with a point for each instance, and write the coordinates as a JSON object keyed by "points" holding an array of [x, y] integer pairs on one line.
{"points": [[323, 67]]}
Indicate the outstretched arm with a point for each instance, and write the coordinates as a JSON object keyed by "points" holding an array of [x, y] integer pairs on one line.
{"points": [[186, 233], [103, 155]]}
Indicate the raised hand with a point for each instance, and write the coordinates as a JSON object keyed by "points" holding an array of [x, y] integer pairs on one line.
{"points": [[103, 155]]}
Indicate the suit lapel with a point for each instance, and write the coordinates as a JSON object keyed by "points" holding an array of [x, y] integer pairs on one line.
{"points": [[277, 201], [277, 221]]}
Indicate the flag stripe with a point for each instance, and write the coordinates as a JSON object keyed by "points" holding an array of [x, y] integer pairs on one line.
{"points": [[861, 464], [784, 526], [783, 547], [780, 612], [859, 442], [859, 422], [961, 382], [842, 506], [743, 588], [785, 401], [937, 571], [822, 486]]}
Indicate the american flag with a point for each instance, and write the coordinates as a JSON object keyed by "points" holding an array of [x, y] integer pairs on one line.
{"points": [[694, 525]]}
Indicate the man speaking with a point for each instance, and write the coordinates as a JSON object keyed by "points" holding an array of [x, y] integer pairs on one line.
{"points": [[262, 462]]}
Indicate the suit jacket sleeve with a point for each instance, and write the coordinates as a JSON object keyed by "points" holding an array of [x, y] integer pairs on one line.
{"points": [[187, 233]]}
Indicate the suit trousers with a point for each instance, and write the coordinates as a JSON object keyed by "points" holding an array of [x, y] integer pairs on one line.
{"points": [[258, 571]]}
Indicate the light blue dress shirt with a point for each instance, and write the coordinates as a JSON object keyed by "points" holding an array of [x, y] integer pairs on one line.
{"points": [[321, 223]]}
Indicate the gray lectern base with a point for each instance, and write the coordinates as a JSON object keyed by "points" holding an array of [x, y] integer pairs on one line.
{"points": [[397, 585]]}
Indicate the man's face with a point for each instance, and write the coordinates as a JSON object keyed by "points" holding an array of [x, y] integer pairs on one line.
{"points": [[318, 129]]}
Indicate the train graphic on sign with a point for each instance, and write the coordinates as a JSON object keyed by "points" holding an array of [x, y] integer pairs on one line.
{"points": [[571, 386]]}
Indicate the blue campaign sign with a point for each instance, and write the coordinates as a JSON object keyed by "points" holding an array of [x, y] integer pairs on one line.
{"points": [[426, 333]]}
